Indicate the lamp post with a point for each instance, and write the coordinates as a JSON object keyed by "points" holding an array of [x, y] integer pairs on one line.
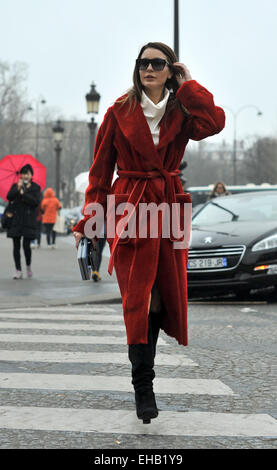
{"points": [[58, 131], [235, 116], [176, 27], [39, 101], [93, 100]]}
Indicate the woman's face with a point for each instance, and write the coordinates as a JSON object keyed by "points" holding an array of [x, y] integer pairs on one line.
{"points": [[26, 176], [220, 188], [150, 79]]}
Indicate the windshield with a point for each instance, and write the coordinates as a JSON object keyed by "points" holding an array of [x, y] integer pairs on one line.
{"points": [[253, 208]]}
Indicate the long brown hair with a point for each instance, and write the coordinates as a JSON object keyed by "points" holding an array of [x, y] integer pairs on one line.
{"points": [[214, 190], [134, 94]]}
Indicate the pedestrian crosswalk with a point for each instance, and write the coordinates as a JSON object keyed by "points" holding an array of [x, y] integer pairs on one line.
{"points": [[53, 326], [60, 336], [63, 339], [109, 383], [89, 357], [125, 422]]}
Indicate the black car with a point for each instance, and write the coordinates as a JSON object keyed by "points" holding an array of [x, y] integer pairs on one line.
{"points": [[71, 217], [234, 245]]}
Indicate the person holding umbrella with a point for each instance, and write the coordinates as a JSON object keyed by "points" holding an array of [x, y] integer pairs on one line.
{"points": [[10, 167], [145, 132], [24, 198]]}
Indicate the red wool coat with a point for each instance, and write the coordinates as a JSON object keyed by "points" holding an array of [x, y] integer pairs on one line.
{"points": [[149, 174]]}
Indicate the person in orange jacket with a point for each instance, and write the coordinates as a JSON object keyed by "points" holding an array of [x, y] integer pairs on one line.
{"points": [[50, 206]]}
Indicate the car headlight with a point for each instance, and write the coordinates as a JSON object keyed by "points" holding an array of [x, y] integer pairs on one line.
{"points": [[268, 243]]}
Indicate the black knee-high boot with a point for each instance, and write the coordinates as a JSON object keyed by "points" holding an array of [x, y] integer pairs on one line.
{"points": [[142, 360], [155, 321]]}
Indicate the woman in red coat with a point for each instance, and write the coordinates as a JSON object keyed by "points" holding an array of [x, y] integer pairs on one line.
{"points": [[145, 133]]}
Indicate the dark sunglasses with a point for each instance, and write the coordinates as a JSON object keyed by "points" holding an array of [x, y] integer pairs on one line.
{"points": [[157, 64]]}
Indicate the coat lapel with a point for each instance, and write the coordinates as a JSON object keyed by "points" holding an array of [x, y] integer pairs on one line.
{"points": [[171, 125], [135, 128]]}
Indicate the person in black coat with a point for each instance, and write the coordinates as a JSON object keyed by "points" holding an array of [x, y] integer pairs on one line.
{"points": [[24, 197]]}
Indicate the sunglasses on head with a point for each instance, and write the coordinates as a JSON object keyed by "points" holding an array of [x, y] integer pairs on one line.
{"points": [[157, 64]]}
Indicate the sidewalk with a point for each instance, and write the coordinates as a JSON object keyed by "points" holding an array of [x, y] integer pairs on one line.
{"points": [[56, 279]]}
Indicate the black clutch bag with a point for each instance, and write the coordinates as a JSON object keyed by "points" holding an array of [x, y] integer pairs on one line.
{"points": [[87, 257]]}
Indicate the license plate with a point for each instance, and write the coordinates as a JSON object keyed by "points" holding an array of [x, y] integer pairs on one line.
{"points": [[206, 263]]}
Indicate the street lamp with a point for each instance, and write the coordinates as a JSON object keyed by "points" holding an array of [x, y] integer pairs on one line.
{"points": [[39, 101], [176, 27], [93, 100], [235, 115], [58, 131]]}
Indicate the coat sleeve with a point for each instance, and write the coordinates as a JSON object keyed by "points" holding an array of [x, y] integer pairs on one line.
{"points": [[205, 119], [13, 193], [101, 172]]}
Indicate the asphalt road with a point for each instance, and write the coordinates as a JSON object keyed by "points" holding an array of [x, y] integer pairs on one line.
{"points": [[65, 380], [65, 377]]}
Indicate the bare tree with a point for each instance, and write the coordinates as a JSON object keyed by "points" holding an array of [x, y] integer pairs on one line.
{"points": [[75, 158], [260, 161], [13, 106], [206, 166]]}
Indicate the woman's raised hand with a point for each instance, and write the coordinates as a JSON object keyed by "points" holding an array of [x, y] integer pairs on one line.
{"points": [[184, 73]]}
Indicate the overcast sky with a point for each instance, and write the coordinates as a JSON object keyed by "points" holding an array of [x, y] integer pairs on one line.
{"points": [[229, 47]]}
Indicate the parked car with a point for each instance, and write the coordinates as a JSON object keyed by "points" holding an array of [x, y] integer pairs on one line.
{"points": [[72, 216], [200, 194], [234, 244]]}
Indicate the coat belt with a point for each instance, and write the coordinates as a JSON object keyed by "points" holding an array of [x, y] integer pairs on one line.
{"points": [[136, 195]]}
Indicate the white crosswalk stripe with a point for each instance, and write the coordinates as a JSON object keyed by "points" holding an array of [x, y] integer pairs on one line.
{"points": [[116, 383], [125, 422], [64, 339], [59, 326], [93, 357], [67, 308], [99, 322], [59, 316]]}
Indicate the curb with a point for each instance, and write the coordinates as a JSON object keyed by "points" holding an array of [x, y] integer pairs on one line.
{"points": [[97, 299]]}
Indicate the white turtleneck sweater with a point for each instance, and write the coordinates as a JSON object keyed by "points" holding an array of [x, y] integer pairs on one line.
{"points": [[154, 113]]}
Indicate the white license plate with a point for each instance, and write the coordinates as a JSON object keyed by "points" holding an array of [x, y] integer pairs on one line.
{"points": [[206, 263]]}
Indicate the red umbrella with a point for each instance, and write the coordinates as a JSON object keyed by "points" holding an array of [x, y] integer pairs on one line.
{"points": [[9, 172]]}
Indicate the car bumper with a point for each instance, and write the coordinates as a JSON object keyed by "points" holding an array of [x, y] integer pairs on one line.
{"points": [[243, 278]]}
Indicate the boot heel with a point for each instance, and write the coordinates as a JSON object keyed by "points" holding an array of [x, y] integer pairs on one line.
{"points": [[146, 407]]}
